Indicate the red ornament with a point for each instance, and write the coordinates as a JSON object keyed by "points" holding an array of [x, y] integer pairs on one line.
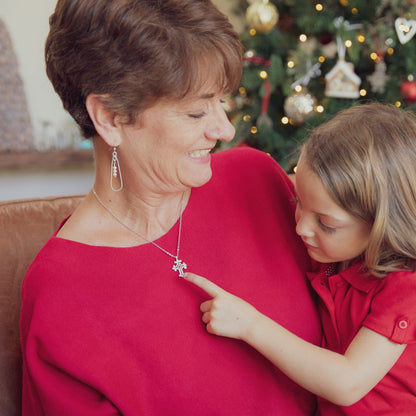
{"points": [[408, 91], [257, 60], [325, 39]]}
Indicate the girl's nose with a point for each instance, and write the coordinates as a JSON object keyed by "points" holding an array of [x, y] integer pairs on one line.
{"points": [[303, 226]]}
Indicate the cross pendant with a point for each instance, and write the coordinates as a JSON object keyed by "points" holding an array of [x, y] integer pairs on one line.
{"points": [[178, 266]]}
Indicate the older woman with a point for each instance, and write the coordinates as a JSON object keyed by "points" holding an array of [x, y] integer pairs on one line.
{"points": [[108, 325]]}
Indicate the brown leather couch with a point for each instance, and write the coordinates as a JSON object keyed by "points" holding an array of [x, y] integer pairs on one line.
{"points": [[25, 226]]}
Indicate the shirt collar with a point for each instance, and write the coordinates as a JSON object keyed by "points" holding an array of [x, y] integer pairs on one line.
{"points": [[358, 277]]}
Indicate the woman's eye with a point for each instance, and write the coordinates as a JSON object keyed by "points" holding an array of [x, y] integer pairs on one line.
{"points": [[198, 115]]}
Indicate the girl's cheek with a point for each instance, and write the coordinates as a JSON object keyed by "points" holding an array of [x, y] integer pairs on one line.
{"points": [[297, 214]]}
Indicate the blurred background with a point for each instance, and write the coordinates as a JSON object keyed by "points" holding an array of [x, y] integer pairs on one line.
{"points": [[304, 61]]}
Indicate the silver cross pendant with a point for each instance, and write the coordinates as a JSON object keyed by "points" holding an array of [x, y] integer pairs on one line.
{"points": [[179, 266]]}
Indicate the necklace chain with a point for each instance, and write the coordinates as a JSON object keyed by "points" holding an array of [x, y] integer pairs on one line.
{"points": [[178, 265]]}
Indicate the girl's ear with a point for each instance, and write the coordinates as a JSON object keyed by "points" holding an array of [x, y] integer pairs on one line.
{"points": [[105, 120]]}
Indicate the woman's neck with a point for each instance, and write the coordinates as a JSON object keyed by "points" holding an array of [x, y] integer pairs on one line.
{"points": [[150, 208], [149, 214]]}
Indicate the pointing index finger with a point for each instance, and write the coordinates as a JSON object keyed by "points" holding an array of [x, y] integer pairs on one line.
{"points": [[211, 288]]}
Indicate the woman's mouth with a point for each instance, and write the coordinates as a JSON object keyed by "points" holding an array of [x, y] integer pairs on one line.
{"points": [[201, 155]]}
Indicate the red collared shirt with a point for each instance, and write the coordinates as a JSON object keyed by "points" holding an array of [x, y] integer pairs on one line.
{"points": [[352, 299]]}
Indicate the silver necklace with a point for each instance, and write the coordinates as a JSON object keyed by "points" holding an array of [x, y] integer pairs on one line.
{"points": [[178, 265]]}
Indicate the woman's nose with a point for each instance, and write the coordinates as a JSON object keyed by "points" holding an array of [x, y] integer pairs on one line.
{"points": [[220, 127]]}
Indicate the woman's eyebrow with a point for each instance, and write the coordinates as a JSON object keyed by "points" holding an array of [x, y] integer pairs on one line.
{"points": [[206, 96]]}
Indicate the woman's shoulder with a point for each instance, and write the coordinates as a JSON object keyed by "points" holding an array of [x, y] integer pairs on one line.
{"points": [[43, 277], [66, 251], [51, 258], [86, 227], [251, 165], [61, 269], [81, 226], [243, 154]]}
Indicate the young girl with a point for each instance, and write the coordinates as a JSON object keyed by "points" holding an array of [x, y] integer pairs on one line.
{"points": [[356, 213]]}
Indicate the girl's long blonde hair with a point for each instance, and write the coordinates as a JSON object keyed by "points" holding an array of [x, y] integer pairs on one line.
{"points": [[366, 159]]}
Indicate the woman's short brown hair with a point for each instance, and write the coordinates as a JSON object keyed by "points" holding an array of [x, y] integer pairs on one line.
{"points": [[366, 159], [134, 52]]}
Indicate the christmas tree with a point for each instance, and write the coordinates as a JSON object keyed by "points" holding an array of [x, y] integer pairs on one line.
{"points": [[306, 60]]}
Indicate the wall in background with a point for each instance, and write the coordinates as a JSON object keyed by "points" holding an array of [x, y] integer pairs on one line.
{"points": [[27, 25], [228, 7]]}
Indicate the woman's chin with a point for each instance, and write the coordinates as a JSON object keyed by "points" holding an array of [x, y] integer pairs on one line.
{"points": [[202, 177]]}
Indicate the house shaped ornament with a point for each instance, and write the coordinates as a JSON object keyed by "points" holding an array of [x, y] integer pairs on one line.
{"points": [[342, 81]]}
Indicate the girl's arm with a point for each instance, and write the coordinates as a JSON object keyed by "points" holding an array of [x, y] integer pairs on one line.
{"points": [[341, 379]]}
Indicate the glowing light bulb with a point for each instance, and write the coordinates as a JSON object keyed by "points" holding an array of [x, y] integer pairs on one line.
{"points": [[263, 74]]}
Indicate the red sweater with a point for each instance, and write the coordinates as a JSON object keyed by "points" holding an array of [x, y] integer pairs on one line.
{"points": [[110, 331]]}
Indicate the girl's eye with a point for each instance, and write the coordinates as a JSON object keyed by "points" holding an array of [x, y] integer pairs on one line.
{"points": [[198, 115], [325, 227]]}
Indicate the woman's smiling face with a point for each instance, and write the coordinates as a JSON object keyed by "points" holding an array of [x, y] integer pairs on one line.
{"points": [[171, 141]]}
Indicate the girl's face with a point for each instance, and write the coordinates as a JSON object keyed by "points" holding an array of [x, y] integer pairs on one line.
{"points": [[329, 232]]}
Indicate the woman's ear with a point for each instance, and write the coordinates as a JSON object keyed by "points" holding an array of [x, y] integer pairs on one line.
{"points": [[105, 120]]}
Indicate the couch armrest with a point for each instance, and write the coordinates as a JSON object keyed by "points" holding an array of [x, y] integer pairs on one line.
{"points": [[25, 226]]}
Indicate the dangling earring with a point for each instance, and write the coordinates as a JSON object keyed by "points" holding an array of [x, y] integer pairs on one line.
{"points": [[115, 171]]}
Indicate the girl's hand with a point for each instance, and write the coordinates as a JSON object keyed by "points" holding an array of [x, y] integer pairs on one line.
{"points": [[345, 379], [225, 314]]}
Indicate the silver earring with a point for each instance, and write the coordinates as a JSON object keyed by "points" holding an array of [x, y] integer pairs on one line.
{"points": [[115, 171]]}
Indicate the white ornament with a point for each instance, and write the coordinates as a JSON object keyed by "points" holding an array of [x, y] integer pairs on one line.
{"points": [[300, 106], [330, 50], [379, 78], [405, 29], [262, 16], [342, 81]]}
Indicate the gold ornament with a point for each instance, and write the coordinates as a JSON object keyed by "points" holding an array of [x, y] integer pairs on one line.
{"points": [[300, 106], [262, 16]]}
